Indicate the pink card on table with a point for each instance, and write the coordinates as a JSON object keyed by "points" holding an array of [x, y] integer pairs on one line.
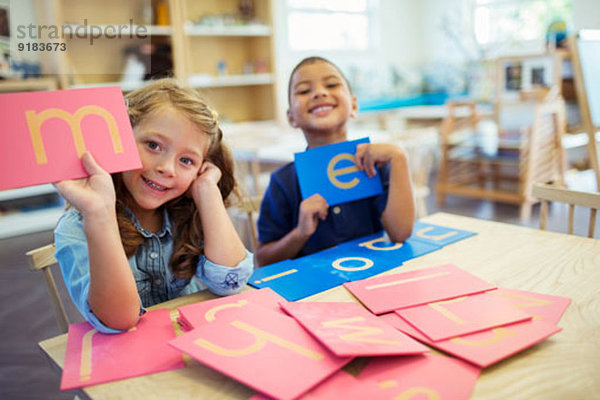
{"points": [[46, 133], [341, 385], [93, 357], [462, 315], [487, 347], [263, 349], [194, 315], [407, 289], [540, 306], [429, 376], [347, 329]]}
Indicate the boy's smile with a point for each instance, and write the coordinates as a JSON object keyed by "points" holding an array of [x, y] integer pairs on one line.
{"points": [[320, 101]]}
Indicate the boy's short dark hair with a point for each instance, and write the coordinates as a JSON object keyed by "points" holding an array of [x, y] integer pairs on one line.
{"points": [[312, 60]]}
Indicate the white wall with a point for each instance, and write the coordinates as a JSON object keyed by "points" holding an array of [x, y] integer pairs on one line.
{"points": [[586, 14], [400, 37]]}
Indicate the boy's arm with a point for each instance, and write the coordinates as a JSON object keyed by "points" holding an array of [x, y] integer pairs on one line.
{"points": [[312, 209], [398, 217]]}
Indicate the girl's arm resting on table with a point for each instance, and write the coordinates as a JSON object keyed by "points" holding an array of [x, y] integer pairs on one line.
{"points": [[222, 280], [222, 245], [112, 294], [73, 258]]}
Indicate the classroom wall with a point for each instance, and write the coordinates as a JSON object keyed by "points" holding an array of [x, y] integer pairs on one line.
{"points": [[21, 11], [586, 14]]}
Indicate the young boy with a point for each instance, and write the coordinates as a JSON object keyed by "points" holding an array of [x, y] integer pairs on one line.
{"points": [[320, 104]]}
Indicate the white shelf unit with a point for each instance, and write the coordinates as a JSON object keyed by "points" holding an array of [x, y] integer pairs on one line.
{"points": [[233, 30], [23, 222], [131, 29], [208, 81], [30, 191], [125, 86], [29, 222]]}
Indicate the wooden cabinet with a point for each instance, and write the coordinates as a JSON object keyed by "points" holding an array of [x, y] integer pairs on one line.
{"points": [[224, 48], [228, 55]]}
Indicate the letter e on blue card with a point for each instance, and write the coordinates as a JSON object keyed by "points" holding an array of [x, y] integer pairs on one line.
{"points": [[331, 171]]}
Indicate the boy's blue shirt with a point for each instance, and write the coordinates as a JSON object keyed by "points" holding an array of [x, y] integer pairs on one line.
{"points": [[279, 213], [149, 265]]}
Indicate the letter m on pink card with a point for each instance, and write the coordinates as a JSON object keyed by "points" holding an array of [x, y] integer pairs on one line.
{"points": [[44, 135]]}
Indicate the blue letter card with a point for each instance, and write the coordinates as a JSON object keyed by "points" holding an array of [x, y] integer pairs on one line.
{"points": [[294, 279], [330, 171], [436, 234], [383, 253]]}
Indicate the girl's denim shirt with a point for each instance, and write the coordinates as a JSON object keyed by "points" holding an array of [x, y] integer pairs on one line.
{"points": [[149, 265]]}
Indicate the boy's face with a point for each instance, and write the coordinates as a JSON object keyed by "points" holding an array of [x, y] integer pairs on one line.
{"points": [[320, 100]]}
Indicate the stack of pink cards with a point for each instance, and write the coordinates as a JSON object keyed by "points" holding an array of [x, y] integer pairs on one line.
{"points": [[193, 315], [454, 311], [342, 385], [407, 289], [486, 347], [430, 376], [93, 357], [347, 329], [263, 349]]}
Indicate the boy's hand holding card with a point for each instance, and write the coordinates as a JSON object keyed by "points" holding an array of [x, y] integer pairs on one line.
{"points": [[331, 171]]}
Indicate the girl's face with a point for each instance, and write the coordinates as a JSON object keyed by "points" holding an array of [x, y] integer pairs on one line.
{"points": [[172, 150], [320, 99]]}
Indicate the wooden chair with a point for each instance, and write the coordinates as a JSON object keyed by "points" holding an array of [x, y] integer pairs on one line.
{"points": [[421, 144], [249, 207], [533, 154], [547, 193], [41, 259]]}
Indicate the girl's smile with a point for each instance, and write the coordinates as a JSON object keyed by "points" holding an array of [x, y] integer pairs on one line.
{"points": [[172, 150]]}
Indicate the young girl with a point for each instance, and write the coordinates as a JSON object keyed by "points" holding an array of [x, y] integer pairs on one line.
{"points": [[145, 236], [320, 104]]}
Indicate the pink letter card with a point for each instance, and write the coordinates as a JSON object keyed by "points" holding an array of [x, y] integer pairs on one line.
{"points": [[540, 306], [347, 329], [407, 289], [462, 315], [93, 357], [46, 133], [430, 376], [341, 385], [484, 348], [263, 349], [194, 315]]}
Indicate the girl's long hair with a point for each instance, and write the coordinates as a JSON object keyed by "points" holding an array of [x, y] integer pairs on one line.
{"points": [[186, 224]]}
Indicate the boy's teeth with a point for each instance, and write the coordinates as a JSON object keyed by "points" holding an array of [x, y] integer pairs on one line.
{"points": [[323, 108]]}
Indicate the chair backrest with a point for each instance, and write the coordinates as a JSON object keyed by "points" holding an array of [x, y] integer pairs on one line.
{"points": [[41, 259], [547, 193], [421, 144], [250, 206]]}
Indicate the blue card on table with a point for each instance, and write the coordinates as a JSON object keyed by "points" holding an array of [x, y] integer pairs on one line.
{"points": [[437, 234], [383, 253], [294, 279], [330, 171]]}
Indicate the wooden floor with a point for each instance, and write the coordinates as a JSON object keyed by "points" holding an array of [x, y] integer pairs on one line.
{"points": [[26, 316]]}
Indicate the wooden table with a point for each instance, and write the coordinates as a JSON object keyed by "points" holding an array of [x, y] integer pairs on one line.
{"points": [[565, 366]]}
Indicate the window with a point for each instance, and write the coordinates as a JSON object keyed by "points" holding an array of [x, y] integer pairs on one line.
{"points": [[515, 21], [329, 25]]}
